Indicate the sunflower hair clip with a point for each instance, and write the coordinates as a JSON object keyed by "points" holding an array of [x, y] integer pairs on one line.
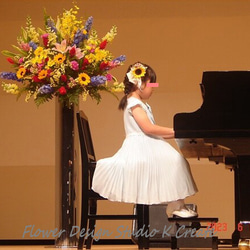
{"points": [[135, 74]]}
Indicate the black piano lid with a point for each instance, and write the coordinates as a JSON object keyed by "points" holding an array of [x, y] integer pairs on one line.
{"points": [[225, 109], [225, 76]]}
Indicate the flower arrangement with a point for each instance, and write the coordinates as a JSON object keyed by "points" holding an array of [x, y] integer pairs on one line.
{"points": [[66, 59]]}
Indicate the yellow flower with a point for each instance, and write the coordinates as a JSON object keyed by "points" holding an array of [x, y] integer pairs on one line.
{"points": [[83, 79], [138, 70], [40, 54], [60, 58], [50, 63], [52, 38], [20, 73], [31, 32], [100, 54], [42, 74], [38, 51], [90, 57], [85, 95], [90, 47], [117, 87], [11, 88], [111, 34], [43, 54], [36, 60], [56, 76], [28, 96], [69, 23]]}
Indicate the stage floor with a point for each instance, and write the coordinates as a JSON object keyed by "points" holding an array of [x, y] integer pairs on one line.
{"points": [[99, 247]]}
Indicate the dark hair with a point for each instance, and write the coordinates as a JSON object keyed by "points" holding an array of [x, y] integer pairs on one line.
{"points": [[130, 87]]}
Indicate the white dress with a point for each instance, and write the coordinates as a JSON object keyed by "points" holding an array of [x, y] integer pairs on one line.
{"points": [[145, 170]]}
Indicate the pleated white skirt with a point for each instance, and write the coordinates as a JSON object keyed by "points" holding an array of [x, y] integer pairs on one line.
{"points": [[146, 170]]}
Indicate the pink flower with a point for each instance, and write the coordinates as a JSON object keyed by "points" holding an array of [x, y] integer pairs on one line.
{"points": [[111, 65], [61, 47], [40, 65], [74, 65], [20, 61], [79, 54], [109, 77], [25, 46]]}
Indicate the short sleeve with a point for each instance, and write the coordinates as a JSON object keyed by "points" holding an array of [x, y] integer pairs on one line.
{"points": [[132, 102]]}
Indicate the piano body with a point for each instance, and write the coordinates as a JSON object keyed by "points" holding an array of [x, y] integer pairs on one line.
{"points": [[220, 131]]}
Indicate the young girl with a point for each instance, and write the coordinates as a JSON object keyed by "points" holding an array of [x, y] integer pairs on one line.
{"points": [[146, 169]]}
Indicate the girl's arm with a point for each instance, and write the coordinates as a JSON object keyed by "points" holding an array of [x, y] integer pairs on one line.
{"points": [[146, 125]]}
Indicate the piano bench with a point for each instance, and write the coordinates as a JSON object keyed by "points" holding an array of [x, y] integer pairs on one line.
{"points": [[194, 233]]}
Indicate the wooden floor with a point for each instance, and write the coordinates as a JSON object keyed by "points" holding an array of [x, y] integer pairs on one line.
{"points": [[99, 247]]}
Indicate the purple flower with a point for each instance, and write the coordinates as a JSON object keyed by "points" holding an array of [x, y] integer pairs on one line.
{"points": [[9, 76], [45, 89], [51, 24], [97, 80], [33, 45], [79, 37], [119, 59], [116, 62], [88, 24]]}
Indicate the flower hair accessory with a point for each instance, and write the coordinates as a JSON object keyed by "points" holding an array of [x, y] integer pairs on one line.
{"points": [[136, 73]]}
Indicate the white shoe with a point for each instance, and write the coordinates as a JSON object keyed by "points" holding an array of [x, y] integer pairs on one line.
{"points": [[185, 213]]}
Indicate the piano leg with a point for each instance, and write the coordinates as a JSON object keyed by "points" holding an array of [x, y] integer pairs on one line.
{"points": [[236, 233], [242, 199]]}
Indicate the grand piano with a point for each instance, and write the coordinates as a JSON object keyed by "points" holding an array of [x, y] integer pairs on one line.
{"points": [[220, 131]]}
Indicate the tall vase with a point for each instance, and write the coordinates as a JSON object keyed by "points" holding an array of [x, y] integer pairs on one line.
{"points": [[65, 171]]}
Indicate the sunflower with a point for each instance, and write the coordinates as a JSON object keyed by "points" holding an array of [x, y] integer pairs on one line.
{"points": [[83, 79], [60, 58], [138, 70], [42, 74], [20, 73]]}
